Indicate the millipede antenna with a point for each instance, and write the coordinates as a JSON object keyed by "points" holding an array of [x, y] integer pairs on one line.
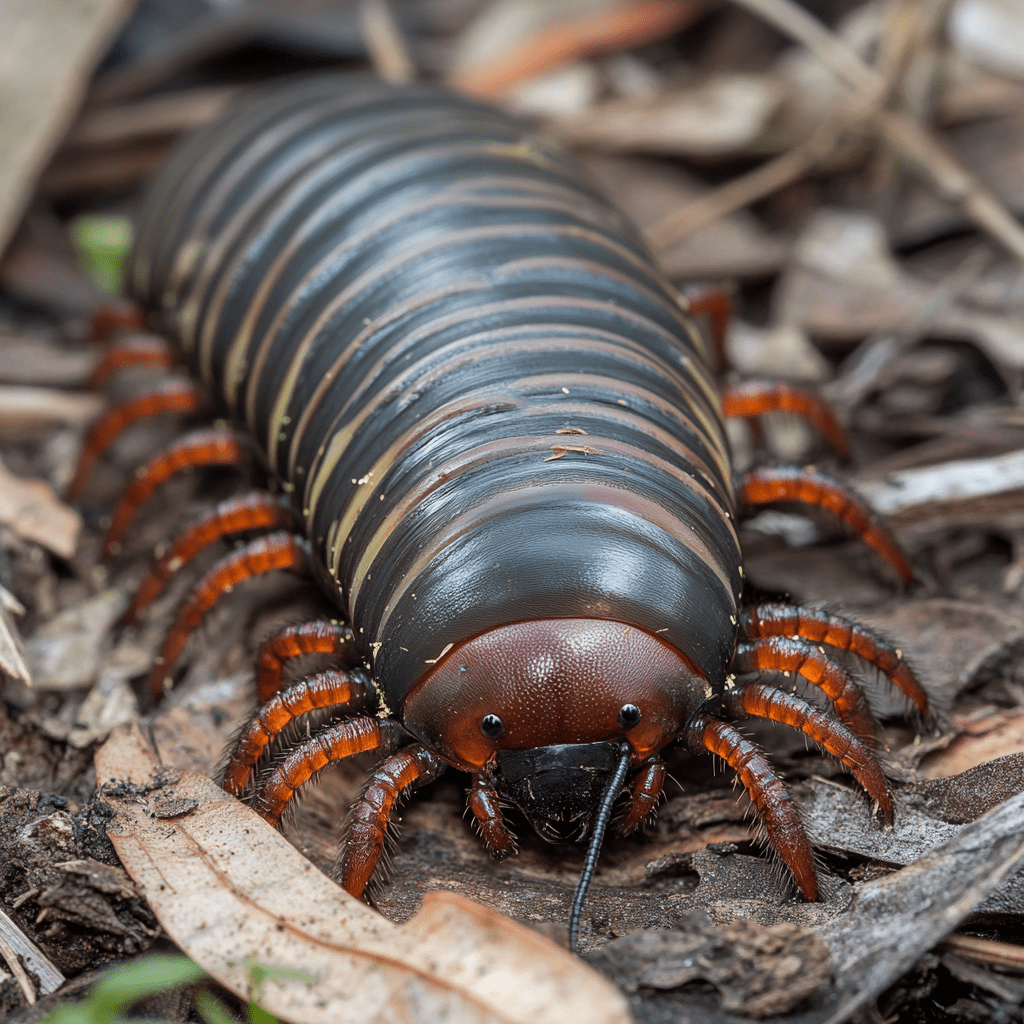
{"points": [[604, 814]]}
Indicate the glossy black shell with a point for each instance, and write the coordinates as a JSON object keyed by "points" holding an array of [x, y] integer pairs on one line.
{"points": [[461, 362]]}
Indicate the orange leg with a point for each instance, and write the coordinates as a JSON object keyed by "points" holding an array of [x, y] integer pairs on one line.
{"points": [[769, 795], [132, 350], [172, 396], [754, 398], [767, 486], [302, 762], [322, 637], [716, 305], [256, 511], [331, 689], [116, 316], [768, 702], [275, 551], [368, 825], [200, 448], [774, 619], [483, 802], [646, 789], [780, 654]]}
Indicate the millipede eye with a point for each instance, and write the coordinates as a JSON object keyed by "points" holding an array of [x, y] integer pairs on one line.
{"points": [[492, 727], [629, 715]]}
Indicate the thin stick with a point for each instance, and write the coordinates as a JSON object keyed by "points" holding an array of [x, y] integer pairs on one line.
{"points": [[897, 128], [746, 189], [19, 952], [388, 52], [986, 950]]}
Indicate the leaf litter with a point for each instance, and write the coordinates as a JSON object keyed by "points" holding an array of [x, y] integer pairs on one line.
{"points": [[230, 891], [844, 278]]}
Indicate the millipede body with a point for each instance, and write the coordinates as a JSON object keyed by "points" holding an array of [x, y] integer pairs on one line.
{"points": [[500, 433]]}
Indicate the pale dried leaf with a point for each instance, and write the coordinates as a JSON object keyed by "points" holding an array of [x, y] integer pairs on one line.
{"points": [[109, 704], [983, 740], [230, 890], [783, 350], [66, 653], [830, 308], [566, 92], [49, 49], [990, 32], [9, 603], [848, 246], [725, 116], [33, 511]]}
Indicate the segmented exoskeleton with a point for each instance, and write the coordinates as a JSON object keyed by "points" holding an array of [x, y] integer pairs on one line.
{"points": [[500, 434]]}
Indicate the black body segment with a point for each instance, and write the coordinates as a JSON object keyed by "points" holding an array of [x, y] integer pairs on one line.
{"points": [[486, 403]]}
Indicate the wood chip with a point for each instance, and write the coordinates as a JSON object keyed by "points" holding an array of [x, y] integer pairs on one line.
{"points": [[33, 511], [23, 955], [916, 493], [48, 52], [230, 890], [897, 918]]}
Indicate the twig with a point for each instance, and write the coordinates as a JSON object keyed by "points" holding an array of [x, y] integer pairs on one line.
{"points": [[898, 129], [388, 52], [746, 189], [11, 959], [986, 950], [862, 369]]}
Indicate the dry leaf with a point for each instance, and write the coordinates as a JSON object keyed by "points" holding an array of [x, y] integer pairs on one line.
{"points": [[230, 890], [65, 653], [779, 351], [984, 740], [33, 511], [725, 116], [46, 57]]}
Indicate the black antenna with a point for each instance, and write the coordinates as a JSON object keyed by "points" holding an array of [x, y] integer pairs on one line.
{"points": [[604, 813]]}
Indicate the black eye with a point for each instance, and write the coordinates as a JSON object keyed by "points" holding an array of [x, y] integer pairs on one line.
{"points": [[629, 715], [492, 727]]}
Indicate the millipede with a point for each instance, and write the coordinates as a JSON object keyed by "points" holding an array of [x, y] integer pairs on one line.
{"points": [[499, 447]]}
